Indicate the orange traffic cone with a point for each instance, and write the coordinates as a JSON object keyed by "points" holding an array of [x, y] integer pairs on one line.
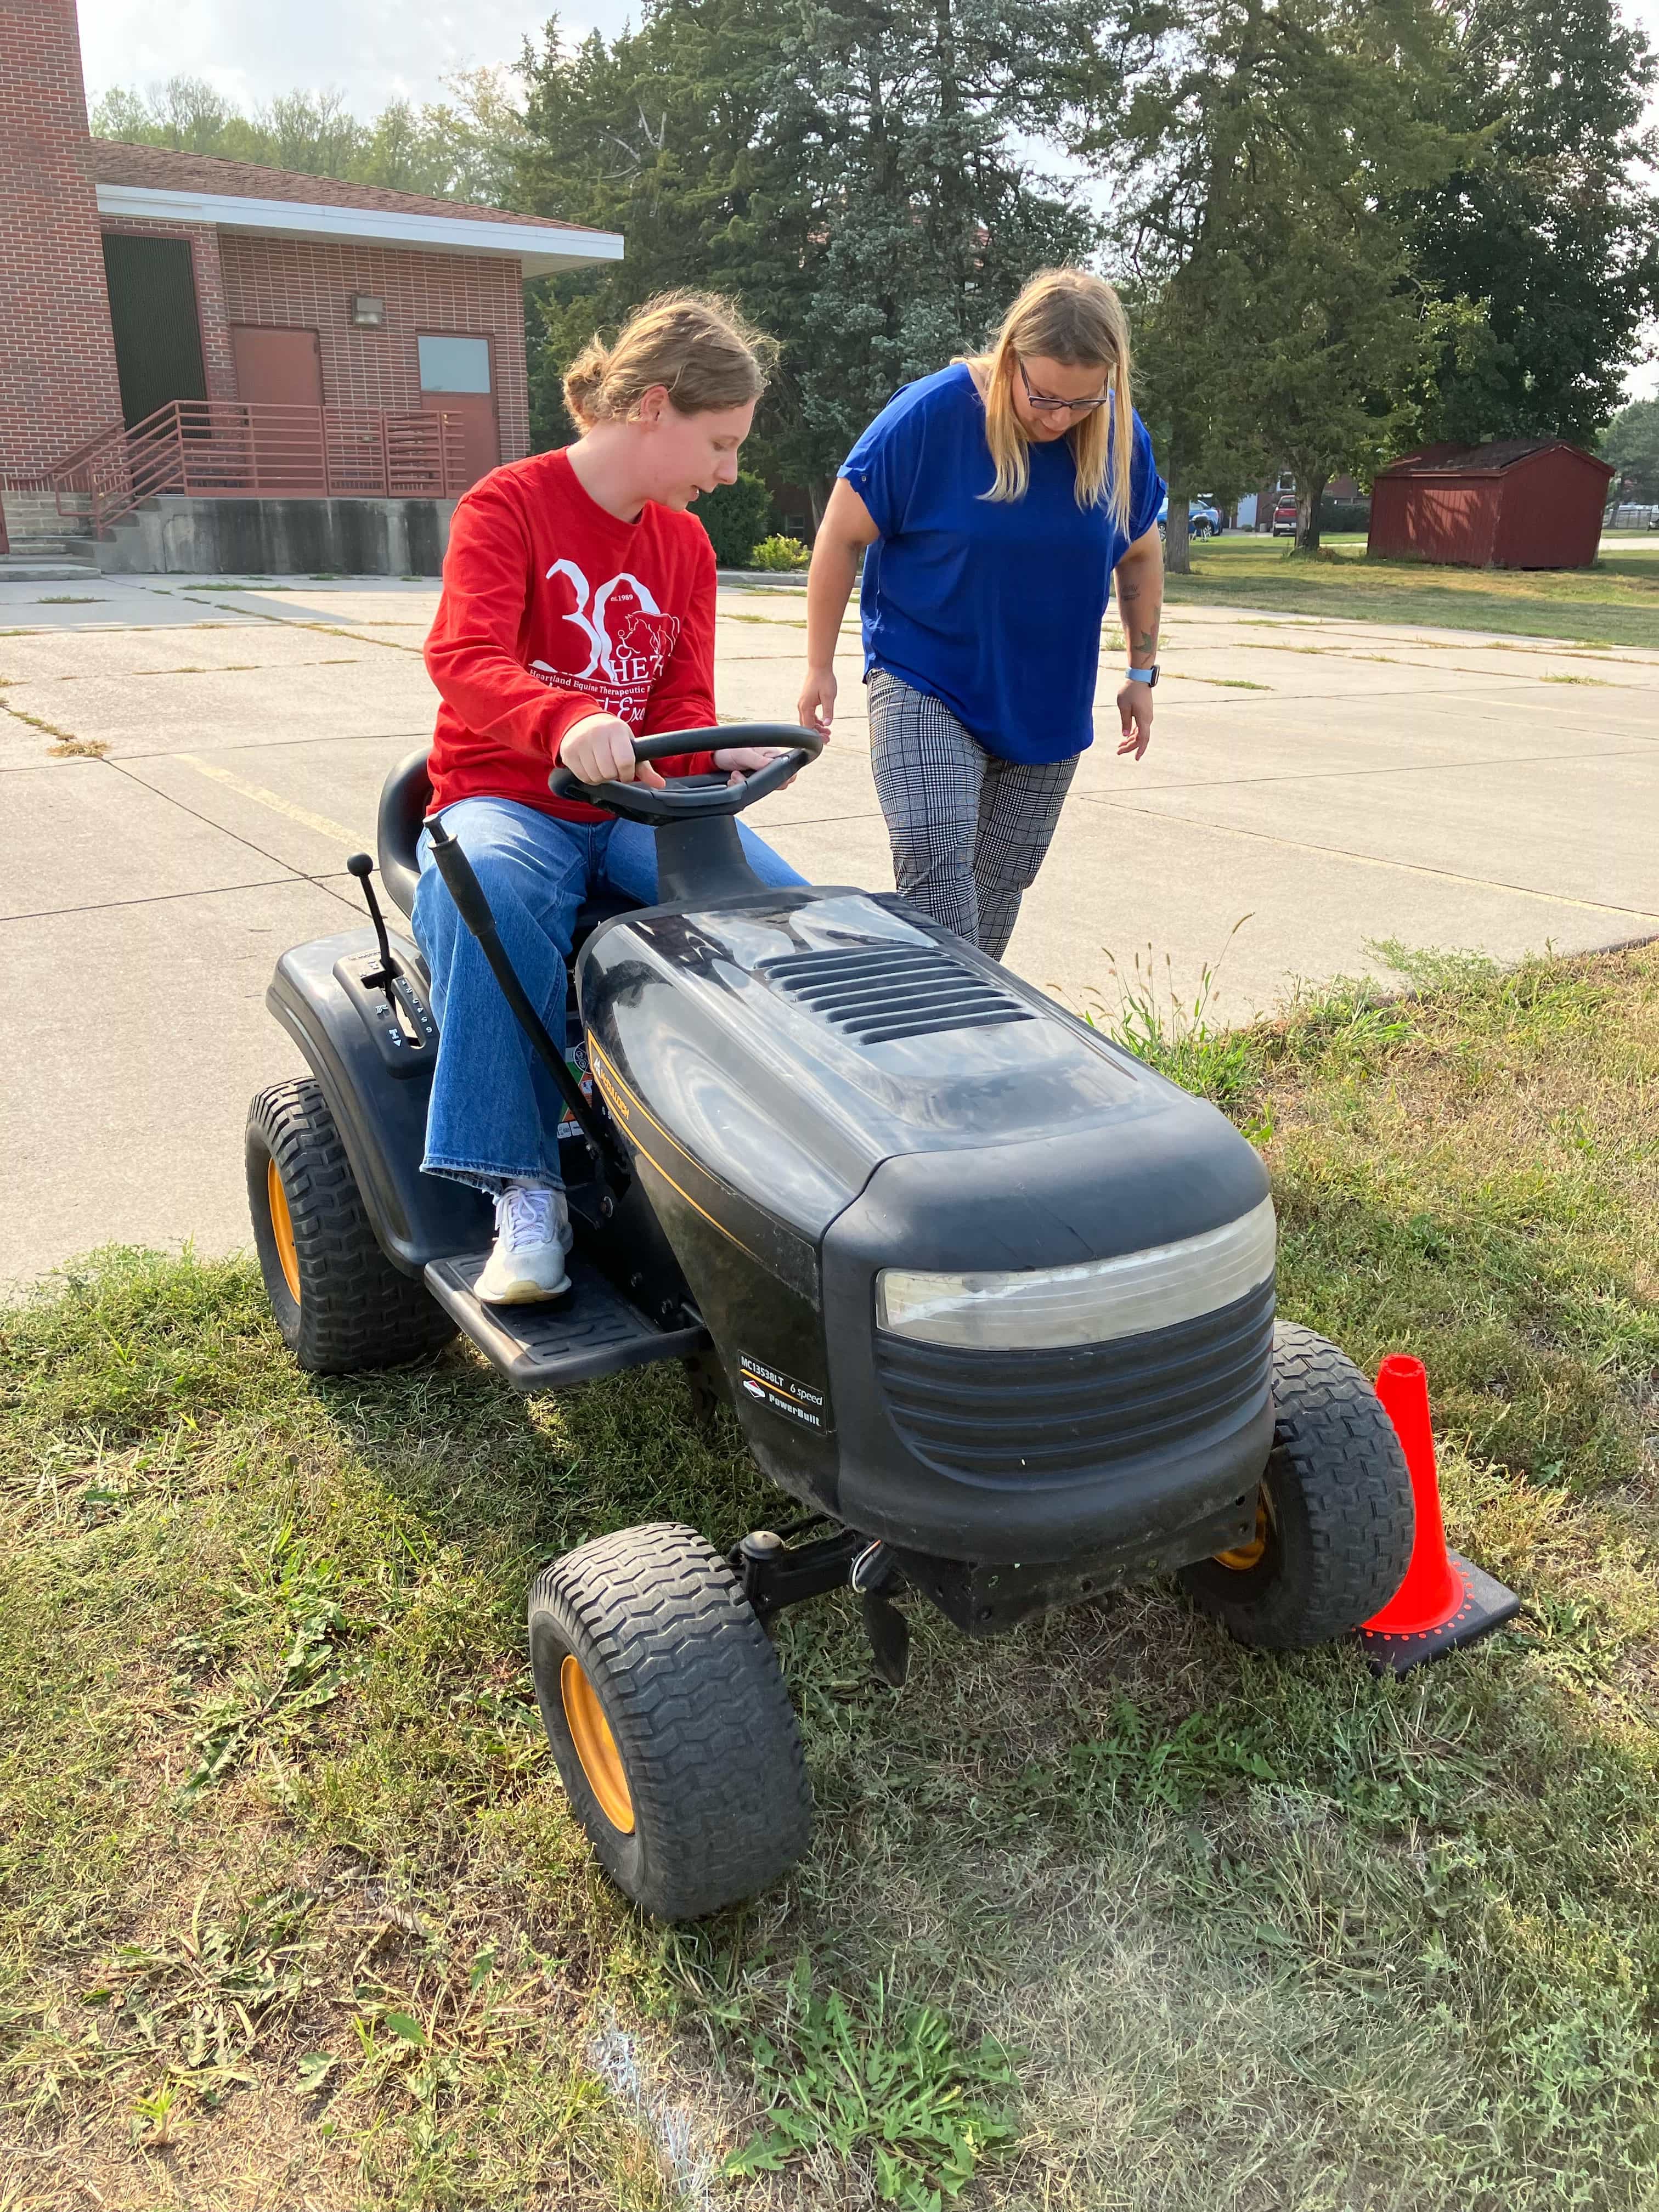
{"points": [[1445, 1600]]}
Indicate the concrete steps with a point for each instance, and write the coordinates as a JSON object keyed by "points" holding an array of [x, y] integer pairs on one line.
{"points": [[30, 567], [45, 546], [48, 556]]}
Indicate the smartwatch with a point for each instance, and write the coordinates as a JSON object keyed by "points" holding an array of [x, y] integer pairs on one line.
{"points": [[1146, 675]]}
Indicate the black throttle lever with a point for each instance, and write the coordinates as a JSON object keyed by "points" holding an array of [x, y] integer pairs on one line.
{"points": [[362, 867]]}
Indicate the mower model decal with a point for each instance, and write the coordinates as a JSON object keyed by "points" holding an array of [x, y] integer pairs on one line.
{"points": [[575, 1060], [782, 1255], [796, 1402]]}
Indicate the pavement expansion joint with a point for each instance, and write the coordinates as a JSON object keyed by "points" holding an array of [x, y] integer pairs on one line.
{"points": [[1370, 859]]}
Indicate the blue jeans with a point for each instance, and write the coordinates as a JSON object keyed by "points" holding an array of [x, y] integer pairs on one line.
{"points": [[495, 1112]]}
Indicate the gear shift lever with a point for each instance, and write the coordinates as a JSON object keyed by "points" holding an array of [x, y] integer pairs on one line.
{"points": [[362, 867]]}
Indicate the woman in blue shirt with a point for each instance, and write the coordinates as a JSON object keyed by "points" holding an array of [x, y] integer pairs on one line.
{"points": [[996, 517]]}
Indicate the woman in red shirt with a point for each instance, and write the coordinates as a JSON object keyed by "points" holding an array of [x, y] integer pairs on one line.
{"points": [[577, 612]]}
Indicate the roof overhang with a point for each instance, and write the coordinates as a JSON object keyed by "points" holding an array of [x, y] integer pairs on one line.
{"points": [[540, 247]]}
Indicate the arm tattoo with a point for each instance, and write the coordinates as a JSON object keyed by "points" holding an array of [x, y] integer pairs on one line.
{"points": [[1139, 631]]}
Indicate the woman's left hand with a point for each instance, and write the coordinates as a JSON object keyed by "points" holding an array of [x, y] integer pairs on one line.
{"points": [[744, 760], [1135, 707]]}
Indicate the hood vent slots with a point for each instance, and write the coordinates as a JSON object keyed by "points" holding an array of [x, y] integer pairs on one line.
{"points": [[875, 993]]}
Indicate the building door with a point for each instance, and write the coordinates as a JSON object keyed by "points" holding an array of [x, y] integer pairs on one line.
{"points": [[152, 311], [281, 368], [280, 375], [456, 379]]}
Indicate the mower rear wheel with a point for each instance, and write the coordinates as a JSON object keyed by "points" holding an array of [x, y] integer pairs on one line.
{"points": [[1334, 1520], [339, 1301], [669, 1719]]}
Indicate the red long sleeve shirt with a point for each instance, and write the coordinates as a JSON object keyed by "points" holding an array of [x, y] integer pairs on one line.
{"points": [[552, 610]]}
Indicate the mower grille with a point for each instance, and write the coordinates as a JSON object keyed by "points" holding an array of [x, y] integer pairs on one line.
{"points": [[876, 992], [1050, 1414]]}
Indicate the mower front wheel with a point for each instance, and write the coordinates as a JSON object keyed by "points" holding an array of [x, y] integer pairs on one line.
{"points": [[1334, 1517], [339, 1301], [669, 1720]]}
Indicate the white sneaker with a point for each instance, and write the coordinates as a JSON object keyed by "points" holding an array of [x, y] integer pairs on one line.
{"points": [[532, 1234]]}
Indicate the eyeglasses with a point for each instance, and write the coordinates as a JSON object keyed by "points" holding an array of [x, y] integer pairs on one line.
{"points": [[1045, 406]]}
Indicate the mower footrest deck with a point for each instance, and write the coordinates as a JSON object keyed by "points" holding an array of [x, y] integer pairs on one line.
{"points": [[592, 1330]]}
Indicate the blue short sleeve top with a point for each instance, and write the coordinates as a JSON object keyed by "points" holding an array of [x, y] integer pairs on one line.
{"points": [[993, 607]]}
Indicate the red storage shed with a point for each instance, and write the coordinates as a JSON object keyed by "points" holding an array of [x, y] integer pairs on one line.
{"points": [[1517, 503]]}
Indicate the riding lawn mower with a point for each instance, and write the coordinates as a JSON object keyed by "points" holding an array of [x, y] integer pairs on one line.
{"points": [[991, 1301]]}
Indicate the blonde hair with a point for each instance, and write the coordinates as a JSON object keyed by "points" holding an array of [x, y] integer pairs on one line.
{"points": [[1068, 316], [696, 344]]}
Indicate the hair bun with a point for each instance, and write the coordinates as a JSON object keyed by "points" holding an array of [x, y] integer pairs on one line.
{"points": [[697, 345], [583, 378]]}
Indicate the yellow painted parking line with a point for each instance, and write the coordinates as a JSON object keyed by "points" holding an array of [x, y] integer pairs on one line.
{"points": [[302, 815]]}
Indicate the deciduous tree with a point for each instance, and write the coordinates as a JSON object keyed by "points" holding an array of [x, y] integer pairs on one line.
{"points": [[1630, 442], [849, 168], [1253, 148], [1551, 224]]}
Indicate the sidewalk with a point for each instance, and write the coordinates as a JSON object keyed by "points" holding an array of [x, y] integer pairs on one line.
{"points": [[186, 765]]}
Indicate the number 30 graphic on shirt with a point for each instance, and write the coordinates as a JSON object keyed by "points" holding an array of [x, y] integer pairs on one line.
{"points": [[601, 649]]}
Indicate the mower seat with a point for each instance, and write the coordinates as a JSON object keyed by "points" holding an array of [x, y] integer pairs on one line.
{"points": [[405, 798]]}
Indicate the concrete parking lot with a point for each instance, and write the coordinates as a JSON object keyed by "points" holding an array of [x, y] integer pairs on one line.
{"points": [[184, 766]]}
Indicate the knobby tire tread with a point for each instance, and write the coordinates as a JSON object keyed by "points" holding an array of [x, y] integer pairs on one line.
{"points": [[1343, 1497], [695, 1697], [356, 1310]]}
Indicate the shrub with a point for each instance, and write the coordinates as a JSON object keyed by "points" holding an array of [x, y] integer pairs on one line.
{"points": [[1344, 514], [735, 515], [780, 553]]}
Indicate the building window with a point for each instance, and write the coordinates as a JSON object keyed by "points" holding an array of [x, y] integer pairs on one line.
{"points": [[368, 310], [454, 364]]}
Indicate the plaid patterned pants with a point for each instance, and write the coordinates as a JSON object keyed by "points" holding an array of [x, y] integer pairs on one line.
{"points": [[968, 832]]}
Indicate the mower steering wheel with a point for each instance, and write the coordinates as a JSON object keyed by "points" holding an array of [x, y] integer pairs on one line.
{"points": [[694, 798]]}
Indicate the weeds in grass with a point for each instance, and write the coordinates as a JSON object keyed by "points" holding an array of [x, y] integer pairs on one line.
{"points": [[200, 1998], [154, 2124], [1150, 1020], [1262, 1932], [71, 599], [886, 2086], [266, 1704], [1133, 1763]]}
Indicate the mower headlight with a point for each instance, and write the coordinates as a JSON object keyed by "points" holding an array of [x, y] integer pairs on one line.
{"points": [[1027, 1309]]}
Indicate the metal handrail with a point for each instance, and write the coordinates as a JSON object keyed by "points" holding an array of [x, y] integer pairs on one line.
{"points": [[221, 448]]}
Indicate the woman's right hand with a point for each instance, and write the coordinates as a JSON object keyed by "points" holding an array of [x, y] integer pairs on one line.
{"points": [[601, 750], [816, 708]]}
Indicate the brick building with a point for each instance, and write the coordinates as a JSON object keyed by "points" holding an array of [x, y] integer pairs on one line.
{"points": [[182, 328]]}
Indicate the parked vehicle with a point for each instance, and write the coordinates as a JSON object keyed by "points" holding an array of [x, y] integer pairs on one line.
{"points": [[1204, 518], [1285, 518]]}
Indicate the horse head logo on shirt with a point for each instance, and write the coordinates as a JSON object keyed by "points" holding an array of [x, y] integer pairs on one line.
{"points": [[644, 637]]}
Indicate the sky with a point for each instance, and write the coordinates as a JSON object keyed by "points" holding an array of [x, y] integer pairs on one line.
{"points": [[373, 51]]}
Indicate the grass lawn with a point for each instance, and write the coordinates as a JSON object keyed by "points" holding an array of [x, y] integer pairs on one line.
{"points": [[1614, 602], [1110, 1914]]}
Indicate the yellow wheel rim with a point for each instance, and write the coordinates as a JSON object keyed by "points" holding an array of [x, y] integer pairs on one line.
{"points": [[1242, 1557], [281, 1224], [596, 1747]]}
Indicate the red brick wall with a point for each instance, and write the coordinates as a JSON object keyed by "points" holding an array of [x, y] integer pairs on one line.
{"points": [[217, 361], [306, 284], [57, 381]]}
